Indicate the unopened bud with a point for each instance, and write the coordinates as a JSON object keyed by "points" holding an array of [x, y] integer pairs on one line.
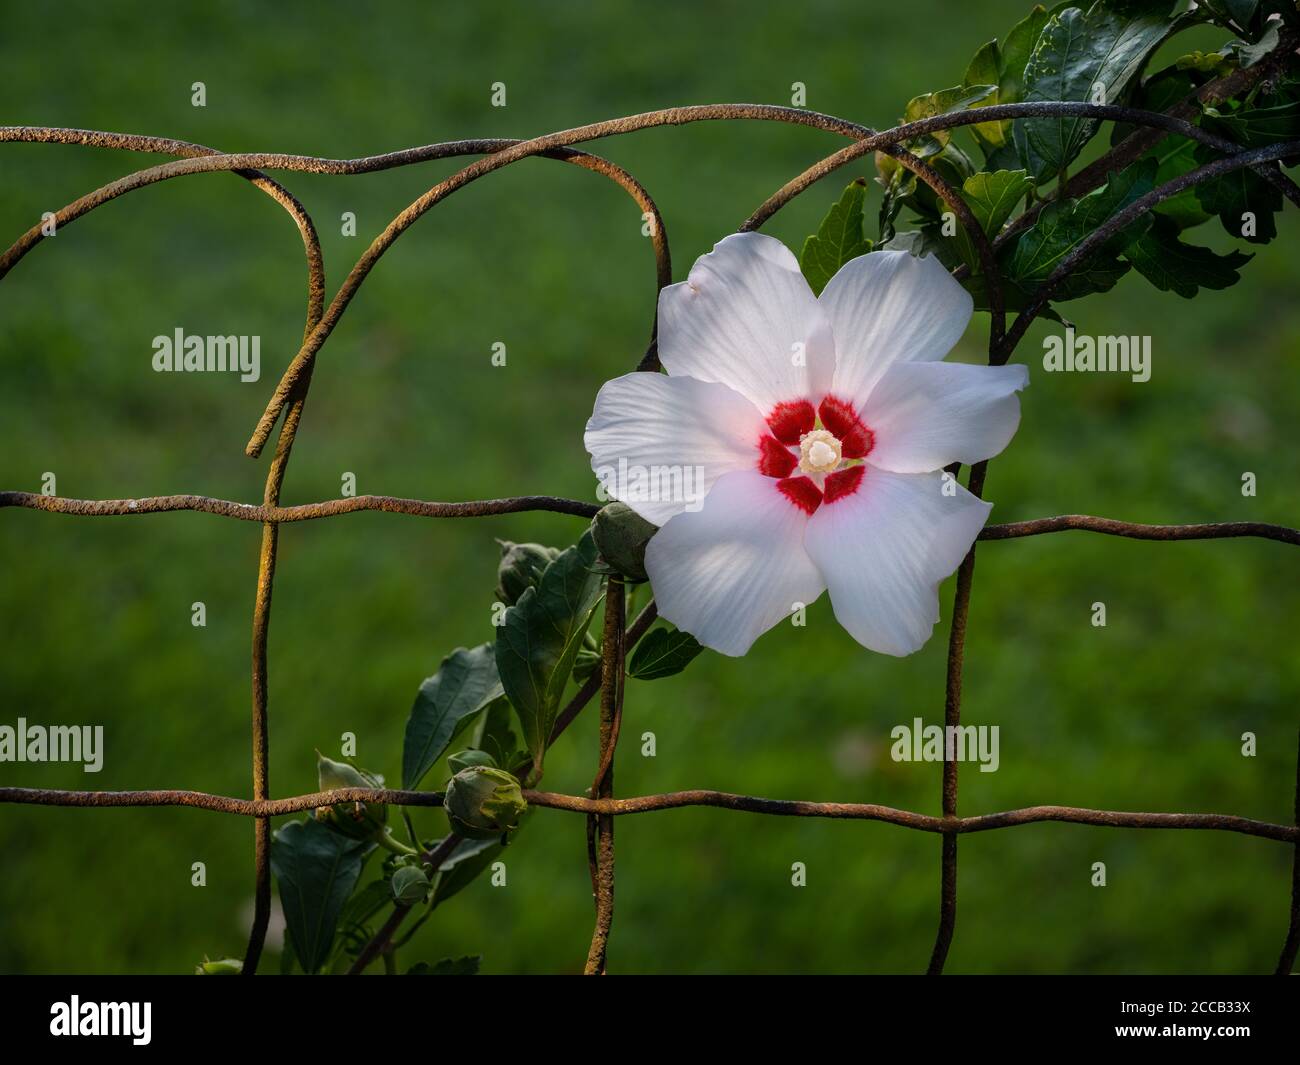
{"points": [[483, 802], [410, 885], [464, 759], [621, 535], [356, 820], [521, 568]]}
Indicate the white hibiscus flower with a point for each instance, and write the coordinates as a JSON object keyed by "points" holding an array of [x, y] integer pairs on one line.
{"points": [[818, 429]]}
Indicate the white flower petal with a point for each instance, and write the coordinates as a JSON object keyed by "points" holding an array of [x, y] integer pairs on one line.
{"points": [[925, 415], [887, 307], [740, 317], [885, 548], [658, 443], [729, 572]]}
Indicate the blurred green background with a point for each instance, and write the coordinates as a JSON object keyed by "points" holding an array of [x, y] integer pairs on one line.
{"points": [[1146, 713]]}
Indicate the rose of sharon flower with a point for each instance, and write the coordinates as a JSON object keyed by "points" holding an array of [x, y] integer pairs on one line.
{"points": [[816, 431]]}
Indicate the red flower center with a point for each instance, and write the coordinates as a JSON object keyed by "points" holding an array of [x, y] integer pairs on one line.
{"points": [[824, 445]]}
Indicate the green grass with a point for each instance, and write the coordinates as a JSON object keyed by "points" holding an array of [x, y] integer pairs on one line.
{"points": [[1146, 713]]}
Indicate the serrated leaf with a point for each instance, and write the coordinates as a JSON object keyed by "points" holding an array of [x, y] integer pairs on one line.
{"points": [[927, 240], [838, 239], [985, 68], [316, 871], [930, 104], [1003, 65], [465, 683], [1256, 127], [1088, 57], [1175, 266], [1015, 52], [1247, 54], [540, 637], [1014, 298], [1060, 228], [466, 966], [1174, 155], [662, 653], [1244, 202], [992, 198]]}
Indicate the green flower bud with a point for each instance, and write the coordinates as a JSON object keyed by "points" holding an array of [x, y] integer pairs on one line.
{"points": [[356, 820], [521, 568], [221, 967], [464, 759], [483, 802], [587, 662], [410, 885], [621, 535]]}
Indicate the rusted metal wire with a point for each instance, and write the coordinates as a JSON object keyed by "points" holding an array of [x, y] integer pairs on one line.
{"points": [[601, 807], [584, 804], [482, 508], [267, 512], [600, 827], [222, 804]]}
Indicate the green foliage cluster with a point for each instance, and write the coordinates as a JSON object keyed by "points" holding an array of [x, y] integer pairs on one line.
{"points": [[504, 697], [1096, 54]]}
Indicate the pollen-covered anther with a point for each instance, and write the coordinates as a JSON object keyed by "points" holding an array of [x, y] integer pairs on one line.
{"points": [[819, 451]]}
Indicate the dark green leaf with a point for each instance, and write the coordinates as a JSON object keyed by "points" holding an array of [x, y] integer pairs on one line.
{"points": [[1241, 12], [1175, 156], [1256, 127], [1015, 52], [1248, 54], [466, 966], [317, 870], [838, 239], [464, 684], [496, 735], [1061, 227], [1014, 298], [1174, 266], [540, 637], [466, 862], [662, 653], [1089, 57], [1244, 201], [353, 930], [1003, 65]]}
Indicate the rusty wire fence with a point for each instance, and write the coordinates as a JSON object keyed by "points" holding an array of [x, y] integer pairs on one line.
{"points": [[600, 806]]}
